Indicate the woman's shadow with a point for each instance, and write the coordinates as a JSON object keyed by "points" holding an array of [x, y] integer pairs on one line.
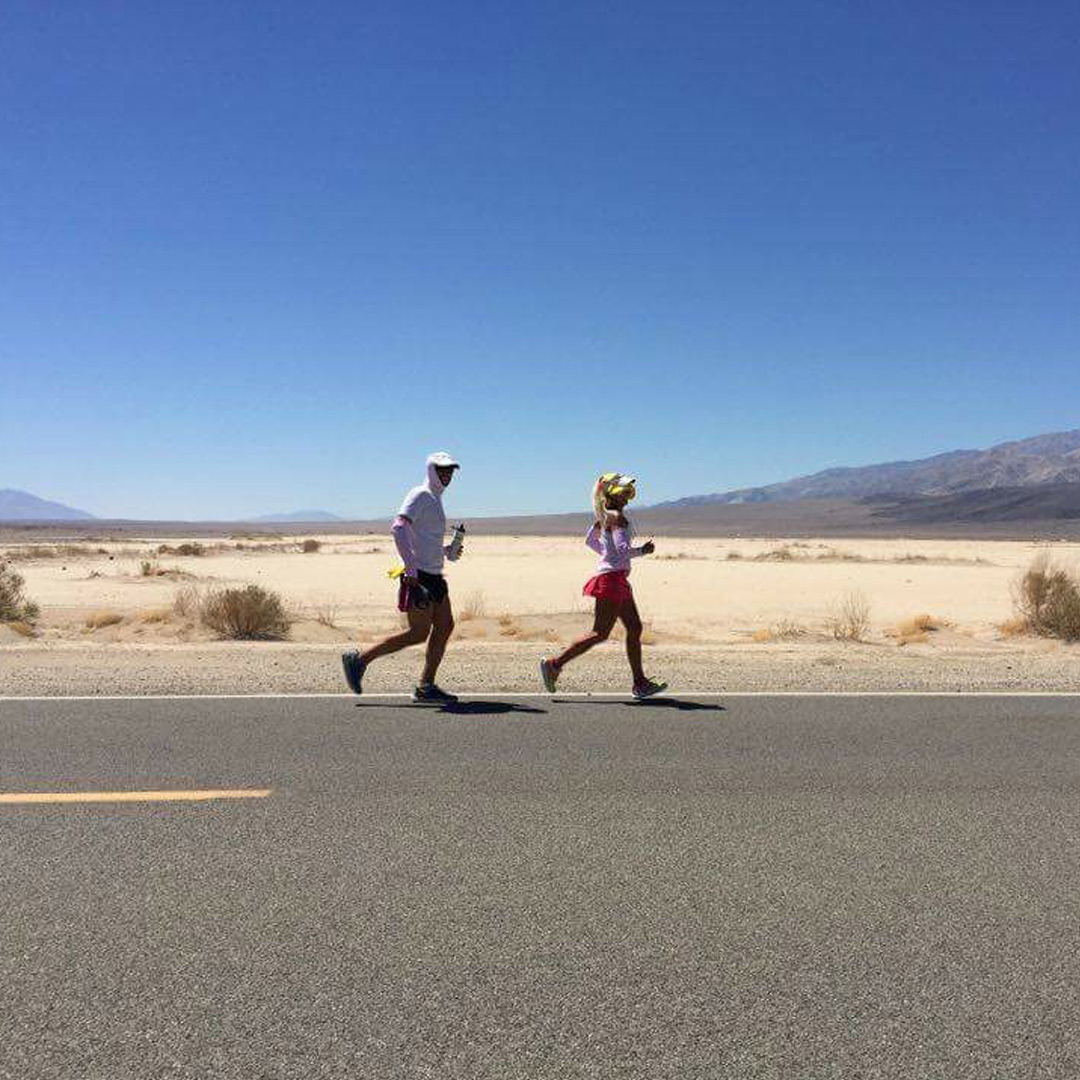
{"points": [[465, 708]]}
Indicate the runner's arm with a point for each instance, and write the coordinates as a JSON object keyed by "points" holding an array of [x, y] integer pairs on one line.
{"points": [[592, 539], [405, 541]]}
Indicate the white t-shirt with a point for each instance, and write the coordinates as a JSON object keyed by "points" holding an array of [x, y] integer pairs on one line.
{"points": [[425, 511]]}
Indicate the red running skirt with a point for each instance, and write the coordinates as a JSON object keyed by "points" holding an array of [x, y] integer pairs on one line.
{"points": [[612, 585]]}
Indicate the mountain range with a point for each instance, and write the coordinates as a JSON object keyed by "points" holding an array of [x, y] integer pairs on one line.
{"points": [[1043, 459], [1029, 479], [22, 506], [298, 516]]}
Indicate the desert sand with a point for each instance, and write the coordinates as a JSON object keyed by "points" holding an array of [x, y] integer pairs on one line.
{"points": [[719, 614]]}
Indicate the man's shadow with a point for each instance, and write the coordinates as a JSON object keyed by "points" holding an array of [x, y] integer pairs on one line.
{"points": [[649, 703]]}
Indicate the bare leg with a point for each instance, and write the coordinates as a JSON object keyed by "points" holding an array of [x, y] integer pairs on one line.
{"points": [[628, 613], [442, 626], [606, 613], [420, 620]]}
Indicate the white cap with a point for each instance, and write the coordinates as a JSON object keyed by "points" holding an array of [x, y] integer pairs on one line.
{"points": [[442, 460]]}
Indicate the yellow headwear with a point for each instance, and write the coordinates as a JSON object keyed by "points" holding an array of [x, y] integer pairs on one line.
{"points": [[611, 483]]}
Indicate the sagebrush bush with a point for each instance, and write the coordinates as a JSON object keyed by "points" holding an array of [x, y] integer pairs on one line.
{"points": [[248, 614], [98, 619], [919, 624], [14, 607], [474, 606], [1047, 598], [194, 548], [850, 619], [187, 601], [326, 613], [310, 546]]}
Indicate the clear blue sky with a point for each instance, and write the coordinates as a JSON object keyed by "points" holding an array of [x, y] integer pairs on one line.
{"points": [[260, 256]]}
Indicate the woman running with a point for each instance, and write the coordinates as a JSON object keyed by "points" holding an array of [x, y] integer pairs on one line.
{"points": [[610, 536]]}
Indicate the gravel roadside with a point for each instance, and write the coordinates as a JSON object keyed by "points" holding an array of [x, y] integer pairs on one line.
{"points": [[282, 668]]}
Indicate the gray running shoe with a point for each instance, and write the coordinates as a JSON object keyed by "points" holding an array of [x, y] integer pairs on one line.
{"points": [[354, 671], [648, 688], [433, 695], [548, 674]]}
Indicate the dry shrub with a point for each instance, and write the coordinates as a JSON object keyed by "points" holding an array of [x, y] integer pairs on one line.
{"points": [[248, 614], [784, 630], [193, 548], [919, 624], [32, 552], [1047, 599], [149, 568], [473, 606], [648, 635], [309, 547], [326, 614], [22, 628], [97, 619], [1015, 627], [508, 626], [839, 555], [187, 601], [734, 556], [1062, 615], [679, 556], [780, 554], [156, 615], [14, 607], [850, 619]]}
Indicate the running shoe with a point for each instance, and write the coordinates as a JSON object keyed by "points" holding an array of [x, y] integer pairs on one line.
{"points": [[648, 688], [354, 670], [432, 694], [548, 674]]}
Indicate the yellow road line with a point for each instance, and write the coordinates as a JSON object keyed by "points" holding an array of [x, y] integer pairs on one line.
{"points": [[133, 796]]}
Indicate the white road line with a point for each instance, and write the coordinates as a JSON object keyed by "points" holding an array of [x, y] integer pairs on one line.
{"points": [[575, 695]]}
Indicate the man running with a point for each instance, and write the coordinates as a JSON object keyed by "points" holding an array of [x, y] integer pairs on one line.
{"points": [[419, 530]]}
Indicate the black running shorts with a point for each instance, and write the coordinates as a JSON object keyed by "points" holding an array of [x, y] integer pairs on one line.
{"points": [[435, 585], [434, 591]]}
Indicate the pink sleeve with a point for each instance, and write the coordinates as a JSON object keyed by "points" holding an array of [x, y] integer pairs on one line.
{"points": [[620, 538], [592, 539], [405, 539]]}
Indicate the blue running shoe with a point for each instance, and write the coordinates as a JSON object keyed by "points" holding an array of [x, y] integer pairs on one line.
{"points": [[433, 695], [354, 671], [648, 689]]}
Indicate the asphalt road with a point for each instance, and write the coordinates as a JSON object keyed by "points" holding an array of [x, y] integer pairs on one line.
{"points": [[755, 887]]}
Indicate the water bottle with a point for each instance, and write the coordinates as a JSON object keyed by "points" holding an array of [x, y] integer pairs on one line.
{"points": [[456, 542]]}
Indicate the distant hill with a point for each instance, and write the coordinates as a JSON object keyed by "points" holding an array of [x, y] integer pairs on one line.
{"points": [[1041, 460], [1040, 502], [22, 506], [306, 516]]}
